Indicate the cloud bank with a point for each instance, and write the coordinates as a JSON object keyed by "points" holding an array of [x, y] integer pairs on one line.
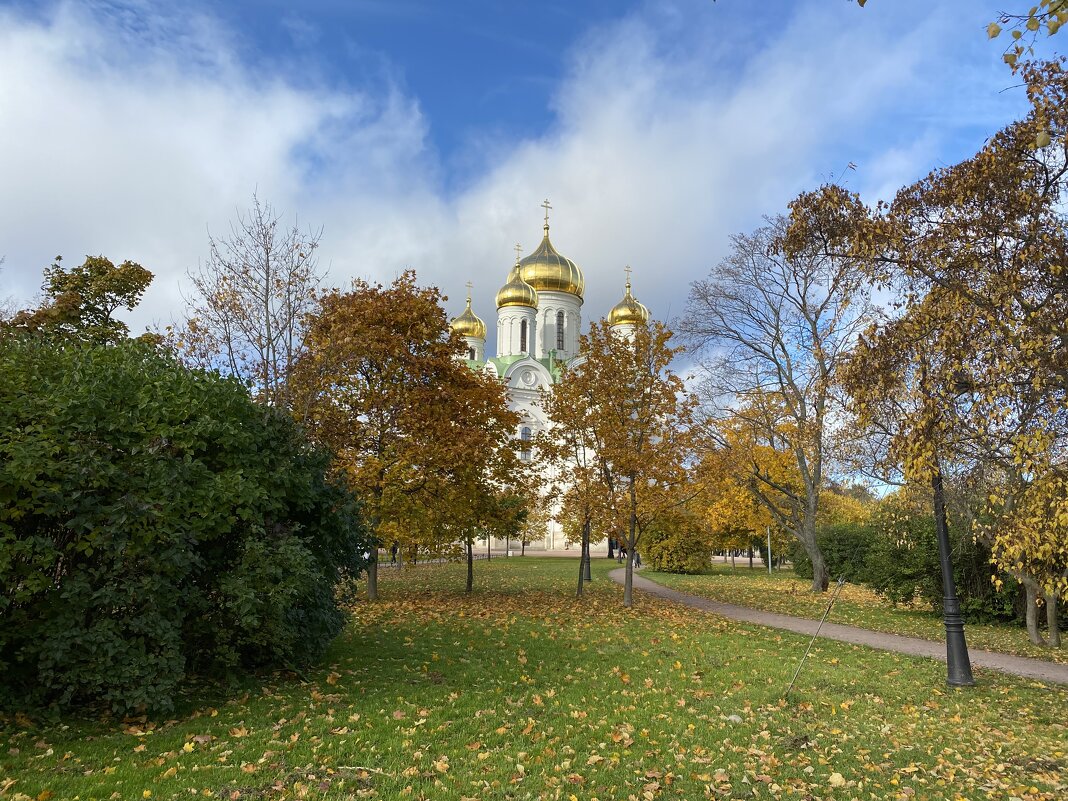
{"points": [[129, 133]]}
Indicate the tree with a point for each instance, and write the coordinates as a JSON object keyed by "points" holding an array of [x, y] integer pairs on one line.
{"points": [[974, 368], [774, 328], [733, 513], [415, 432], [250, 301], [626, 402], [79, 304]]}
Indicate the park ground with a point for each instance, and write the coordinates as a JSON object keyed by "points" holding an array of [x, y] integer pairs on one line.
{"points": [[520, 691]]}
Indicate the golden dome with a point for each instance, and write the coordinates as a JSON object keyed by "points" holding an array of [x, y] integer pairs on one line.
{"points": [[548, 271], [517, 292], [468, 324], [628, 311]]}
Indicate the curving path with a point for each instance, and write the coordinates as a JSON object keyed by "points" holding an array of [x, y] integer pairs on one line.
{"points": [[1017, 665]]}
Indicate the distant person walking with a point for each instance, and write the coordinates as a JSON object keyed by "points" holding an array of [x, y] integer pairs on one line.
{"points": [[393, 553]]}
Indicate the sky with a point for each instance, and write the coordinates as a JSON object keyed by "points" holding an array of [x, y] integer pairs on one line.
{"points": [[421, 134]]}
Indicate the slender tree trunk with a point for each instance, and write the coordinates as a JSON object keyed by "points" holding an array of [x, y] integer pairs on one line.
{"points": [[586, 550], [470, 564], [372, 575], [1031, 613], [821, 578], [1053, 630], [628, 586], [581, 576], [732, 560], [372, 568], [750, 558], [523, 547]]}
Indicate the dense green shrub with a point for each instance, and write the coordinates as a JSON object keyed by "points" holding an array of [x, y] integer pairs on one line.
{"points": [[845, 549], [675, 544], [903, 565], [155, 522]]}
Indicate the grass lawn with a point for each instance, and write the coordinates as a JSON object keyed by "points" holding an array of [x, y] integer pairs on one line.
{"points": [[857, 606], [521, 692]]}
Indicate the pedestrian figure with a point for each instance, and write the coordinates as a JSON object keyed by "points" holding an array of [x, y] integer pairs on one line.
{"points": [[393, 553], [622, 553], [637, 559]]}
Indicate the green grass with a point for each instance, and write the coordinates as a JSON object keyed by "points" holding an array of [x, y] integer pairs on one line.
{"points": [[856, 606], [521, 692]]}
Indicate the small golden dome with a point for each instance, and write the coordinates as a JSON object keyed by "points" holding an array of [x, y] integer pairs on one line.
{"points": [[468, 324], [548, 271], [517, 292], [628, 311]]}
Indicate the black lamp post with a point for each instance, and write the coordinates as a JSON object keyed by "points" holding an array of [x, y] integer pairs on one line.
{"points": [[958, 666]]}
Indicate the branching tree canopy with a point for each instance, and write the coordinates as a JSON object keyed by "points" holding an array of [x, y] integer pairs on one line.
{"points": [[413, 429], [772, 329], [80, 304], [250, 302], [975, 365], [625, 401]]}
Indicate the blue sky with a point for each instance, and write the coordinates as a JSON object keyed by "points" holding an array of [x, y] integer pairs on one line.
{"points": [[426, 134]]}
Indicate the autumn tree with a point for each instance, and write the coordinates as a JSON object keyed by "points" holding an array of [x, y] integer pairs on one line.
{"points": [[79, 304], [250, 301], [624, 400], [774, 327], [732, 511], [977, 360], [575, 487], [415, 432]]}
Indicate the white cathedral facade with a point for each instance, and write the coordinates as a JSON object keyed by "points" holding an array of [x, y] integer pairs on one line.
{"points": [[539, 317]]}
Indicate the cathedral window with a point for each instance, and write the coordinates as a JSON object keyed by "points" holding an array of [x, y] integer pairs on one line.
{"points": [[524, 435], [471, 354], [560, 330], [522, 336]]}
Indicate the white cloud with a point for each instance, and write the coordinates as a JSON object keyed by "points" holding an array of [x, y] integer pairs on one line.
{"points": [[663, 144]]}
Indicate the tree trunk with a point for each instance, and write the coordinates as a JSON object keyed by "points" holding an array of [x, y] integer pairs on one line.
{"points": [[628, 587], [821, 578], [732, 560], [750, 558], [581, 576], [586, 550], [372, 575], [1031, 613], [470, 565], [523, 547], [1053, 630]]}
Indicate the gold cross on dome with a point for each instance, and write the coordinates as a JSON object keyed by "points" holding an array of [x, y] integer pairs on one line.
{"points": [[469, 286], [545, 205], [628, 271], [518, 252]]}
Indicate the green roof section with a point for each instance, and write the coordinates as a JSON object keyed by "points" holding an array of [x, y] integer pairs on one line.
{"points": [[502, 363]]}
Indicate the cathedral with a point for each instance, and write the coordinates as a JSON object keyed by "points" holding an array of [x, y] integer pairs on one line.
{"points": [[539, 317]]}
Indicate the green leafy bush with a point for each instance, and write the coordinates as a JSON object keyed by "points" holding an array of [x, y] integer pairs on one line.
{"points": [[845, 549], [154, 523], [675, 544]]}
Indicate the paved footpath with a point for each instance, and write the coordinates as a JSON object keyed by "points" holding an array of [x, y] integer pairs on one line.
{"points": [[1021, 666]]}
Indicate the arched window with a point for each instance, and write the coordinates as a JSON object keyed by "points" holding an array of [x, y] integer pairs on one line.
{"points": [[471, 354], [560, 330], [522, 336], [524, 436]]}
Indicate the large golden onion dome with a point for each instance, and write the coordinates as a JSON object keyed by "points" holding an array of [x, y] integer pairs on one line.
{"points": [[517, 292], [468, 324], [547, 271], [628, 311]]}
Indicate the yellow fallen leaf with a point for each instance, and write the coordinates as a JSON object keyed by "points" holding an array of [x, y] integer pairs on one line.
{"points": [[836, 780]]}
